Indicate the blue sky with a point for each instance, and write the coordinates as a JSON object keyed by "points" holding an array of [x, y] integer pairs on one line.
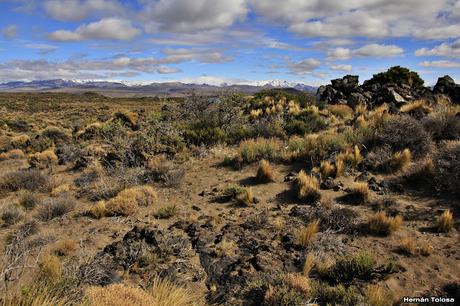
{"points": [[232, 41]]}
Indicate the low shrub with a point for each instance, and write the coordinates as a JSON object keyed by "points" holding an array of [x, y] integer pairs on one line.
{"points": [[30, 179], [43, 160], [347, 268], [326, 294], [127, 201], [55, 207], [11, 214], [166, 212], [12, 154], [28, 200], [56, 134], [65, 247]]}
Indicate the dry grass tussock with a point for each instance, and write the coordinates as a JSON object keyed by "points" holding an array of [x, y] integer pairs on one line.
{"points": [[261, 148], [162, 293], [445, 222], [307, 187], [400, 160], [265, 172], [126, 202], [43, 160], [12, 154], [377, 296], [383, 225], [305, 235], [360, 193]]}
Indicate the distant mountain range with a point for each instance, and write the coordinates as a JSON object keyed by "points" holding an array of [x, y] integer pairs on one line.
{"points": [[153, 89]]}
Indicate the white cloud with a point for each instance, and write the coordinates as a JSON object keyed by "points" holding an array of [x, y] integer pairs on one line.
{"points": [[440, 64], [42, 48], [10, 31], [198, 54], [190, 16], [369, 18], [341, 67], [339, 54], [108, 28], [377, 50], [74, 10], [445, 49], [372, 50], [304, 66]]}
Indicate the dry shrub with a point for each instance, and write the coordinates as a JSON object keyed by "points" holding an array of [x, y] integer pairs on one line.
{"points": [[28, 200], [12, 154], [407, 246], [447, 166], [11, 214], [445, 222], [126, 117], [400, 160], [426, 248], [307, 187], [20, 141], [380, 224], [378, 296], [49, 268], [305, 235], [360, 193], [166, 212], [65, 247], [127, 201], [55, 207], [56, 134], [30, 179], [265, 172], [43, 160]]}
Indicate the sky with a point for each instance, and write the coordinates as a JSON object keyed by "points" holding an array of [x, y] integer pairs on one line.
{"points": [[226, 41]]}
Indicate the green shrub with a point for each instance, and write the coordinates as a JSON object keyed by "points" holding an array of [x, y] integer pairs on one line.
{"points": [[397, 75], [347, 268]]}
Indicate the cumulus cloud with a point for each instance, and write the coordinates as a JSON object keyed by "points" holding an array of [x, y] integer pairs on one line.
{"points": [[372, 50], [74, 10], [191, 16], [440, 64], [374, 18], [10, 31], [445, 49], [108, 28], [341, 67]]}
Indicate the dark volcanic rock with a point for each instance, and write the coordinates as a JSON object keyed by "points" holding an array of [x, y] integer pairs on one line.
{"points": [[447, 86]]}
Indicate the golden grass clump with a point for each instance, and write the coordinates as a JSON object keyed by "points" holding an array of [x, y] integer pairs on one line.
{"points": [[261, 148], [166, 293], [265, 172], [49, 268], [117, 295], [245, 197], [19, 141], [445, 222], [98, 210], [126, 117], [378, 296], [416, 107], [12, 154], [341, 110], [401, 160], [65, 247], [308, 264], [361, 109], [380, 224], [360, 193], [298, 282], [305, 235], [43, 160], [361, 122], [126, 202], [256, 113], [426, 249], [307, 187], [60, 189], [327, 169], [293, 108], [407, 246]]}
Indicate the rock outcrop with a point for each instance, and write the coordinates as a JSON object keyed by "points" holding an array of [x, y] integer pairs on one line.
{"points": [[396, 87]]}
